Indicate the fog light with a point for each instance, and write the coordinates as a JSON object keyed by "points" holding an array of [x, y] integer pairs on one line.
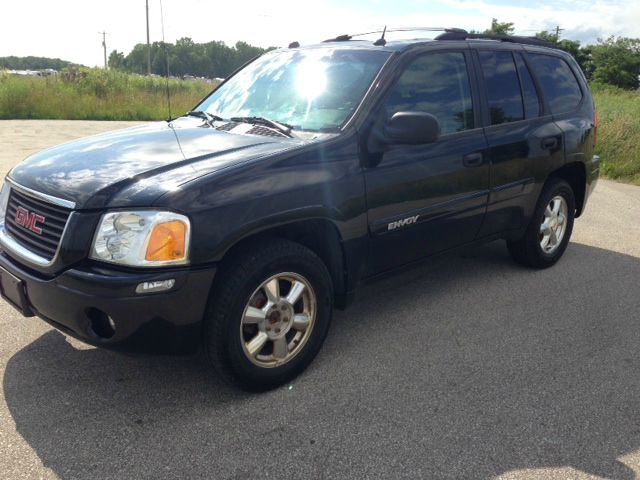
{"points": [[101, 324], [158, 286]]}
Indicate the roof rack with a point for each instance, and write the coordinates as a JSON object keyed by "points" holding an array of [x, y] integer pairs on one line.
{"points": [[500, 38], [347, 37], [452, 34]]}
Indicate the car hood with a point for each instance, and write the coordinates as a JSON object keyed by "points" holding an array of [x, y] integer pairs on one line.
{"points": [[96, 171]]}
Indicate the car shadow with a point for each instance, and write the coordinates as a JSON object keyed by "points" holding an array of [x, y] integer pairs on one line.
{"points": [[466, 367]]}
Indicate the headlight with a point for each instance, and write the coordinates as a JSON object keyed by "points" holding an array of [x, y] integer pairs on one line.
{"points": [[144, 238], [4, 200]]}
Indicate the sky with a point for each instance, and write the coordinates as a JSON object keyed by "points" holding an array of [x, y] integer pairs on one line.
{"points": [[68, 29]]}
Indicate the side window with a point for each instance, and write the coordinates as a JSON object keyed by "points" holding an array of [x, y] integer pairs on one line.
{"points": [[531, 101], [436, 83], [503, 87], [559, 85]]}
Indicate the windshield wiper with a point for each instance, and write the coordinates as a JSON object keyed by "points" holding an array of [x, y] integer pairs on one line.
{"points": [[283, 128], [206, 116]]}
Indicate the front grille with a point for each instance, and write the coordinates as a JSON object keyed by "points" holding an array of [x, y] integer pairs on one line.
{"points": [[45, 244]]}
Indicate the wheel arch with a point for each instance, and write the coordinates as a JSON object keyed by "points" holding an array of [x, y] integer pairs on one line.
{"points": [[575, 174], [320, 235]]}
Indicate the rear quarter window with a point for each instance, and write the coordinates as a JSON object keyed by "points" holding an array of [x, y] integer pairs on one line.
{"points": [[559, 85]]}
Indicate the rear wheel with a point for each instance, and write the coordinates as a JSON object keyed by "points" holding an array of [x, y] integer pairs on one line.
{"points": [[268, 315], [548, 234]]}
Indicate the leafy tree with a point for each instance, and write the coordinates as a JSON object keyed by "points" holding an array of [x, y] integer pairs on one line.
{"points": [[159, 53], [116, 60], [220, 59], [616, 61], [500, 28], [187, 57], [547, 36], [136, 61]]}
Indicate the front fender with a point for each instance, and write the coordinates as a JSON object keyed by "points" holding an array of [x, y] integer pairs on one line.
{"points": [[321, 181]]}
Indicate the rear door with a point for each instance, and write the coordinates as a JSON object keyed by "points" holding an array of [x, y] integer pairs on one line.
{"points": [[524, 141], [568, 101], [423, 199]]}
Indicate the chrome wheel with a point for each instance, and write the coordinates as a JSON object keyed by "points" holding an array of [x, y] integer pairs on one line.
{"points": [[554, 224], [278, 319]]}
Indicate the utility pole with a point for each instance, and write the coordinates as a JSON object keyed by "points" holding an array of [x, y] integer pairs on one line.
{"points": [[558, 30], [104, 47], [148, 43]]}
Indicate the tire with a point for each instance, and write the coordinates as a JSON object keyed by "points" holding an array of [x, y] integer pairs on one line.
{"points": [[249, 301], [530, 250]]}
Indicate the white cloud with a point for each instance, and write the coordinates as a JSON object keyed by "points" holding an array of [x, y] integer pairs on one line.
{"points": [[69, 28]]}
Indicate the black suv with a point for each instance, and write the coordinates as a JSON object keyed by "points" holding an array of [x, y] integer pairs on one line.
{"points": [[239, 226]]}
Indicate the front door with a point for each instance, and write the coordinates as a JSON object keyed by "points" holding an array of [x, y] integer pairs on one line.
{"points": [[424, 199]]}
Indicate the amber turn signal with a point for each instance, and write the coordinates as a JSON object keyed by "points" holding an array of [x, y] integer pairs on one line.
{"points": [[167, 242]]}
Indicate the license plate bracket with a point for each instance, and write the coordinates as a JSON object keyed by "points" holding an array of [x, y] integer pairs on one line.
{"points": [[14, 291]]}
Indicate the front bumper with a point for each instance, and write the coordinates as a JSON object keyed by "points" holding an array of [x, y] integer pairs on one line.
{"points": [[80, 302]]}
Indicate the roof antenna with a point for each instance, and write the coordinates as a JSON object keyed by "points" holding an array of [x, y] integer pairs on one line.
{"points": [[166, 56], [381, 42]]}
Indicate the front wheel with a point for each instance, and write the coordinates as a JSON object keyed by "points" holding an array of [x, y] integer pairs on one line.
{"points": [[268, 315], [549, 231]]}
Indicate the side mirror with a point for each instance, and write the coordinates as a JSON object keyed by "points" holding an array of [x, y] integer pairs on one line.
{"points": [[412, 128]]}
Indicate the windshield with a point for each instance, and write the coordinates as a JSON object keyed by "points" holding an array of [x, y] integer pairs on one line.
{"points": [[314, 89]]}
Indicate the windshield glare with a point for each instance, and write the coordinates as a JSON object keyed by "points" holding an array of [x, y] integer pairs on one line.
{"points": [[314, 89]]}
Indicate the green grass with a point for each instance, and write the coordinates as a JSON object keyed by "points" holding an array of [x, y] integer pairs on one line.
{"points": [[96, 95], [618, 132]]}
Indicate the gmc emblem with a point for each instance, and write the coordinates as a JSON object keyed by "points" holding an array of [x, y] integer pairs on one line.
{"points": [[29, 220]]}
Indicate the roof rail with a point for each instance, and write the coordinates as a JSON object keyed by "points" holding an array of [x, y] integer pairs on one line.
{"points": [[500, 38], [347, 37]]}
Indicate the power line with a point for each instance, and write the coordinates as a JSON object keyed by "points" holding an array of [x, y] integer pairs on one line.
{"points": [[558, 30], [166, 57], [104, 47], [148, 43]]}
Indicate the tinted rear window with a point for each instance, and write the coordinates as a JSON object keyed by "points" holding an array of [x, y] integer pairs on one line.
{"points": [[503, 87], [559, 85]]}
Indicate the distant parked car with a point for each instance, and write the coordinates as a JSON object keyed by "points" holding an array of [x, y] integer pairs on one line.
{"points": [[26, 73]]}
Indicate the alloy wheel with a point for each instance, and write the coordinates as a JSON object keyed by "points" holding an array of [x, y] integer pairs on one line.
{"points": [[278, 319]]}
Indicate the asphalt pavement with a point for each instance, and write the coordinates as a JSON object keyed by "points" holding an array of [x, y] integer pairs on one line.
{"points": [[468, 366]]}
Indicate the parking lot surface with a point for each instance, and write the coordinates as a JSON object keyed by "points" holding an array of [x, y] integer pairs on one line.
{"points": [[468, 366]]}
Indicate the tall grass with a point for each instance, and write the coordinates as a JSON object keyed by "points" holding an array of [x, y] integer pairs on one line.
{"points": [[96, 95], [618, 132]]}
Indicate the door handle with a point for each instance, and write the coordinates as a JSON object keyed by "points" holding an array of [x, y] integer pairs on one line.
{"points": [[472, 160], [549, 143]]}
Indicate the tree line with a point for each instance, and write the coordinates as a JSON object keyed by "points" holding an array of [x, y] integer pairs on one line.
{"points": [[32, 63], [613, 60], [211, 60]]}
